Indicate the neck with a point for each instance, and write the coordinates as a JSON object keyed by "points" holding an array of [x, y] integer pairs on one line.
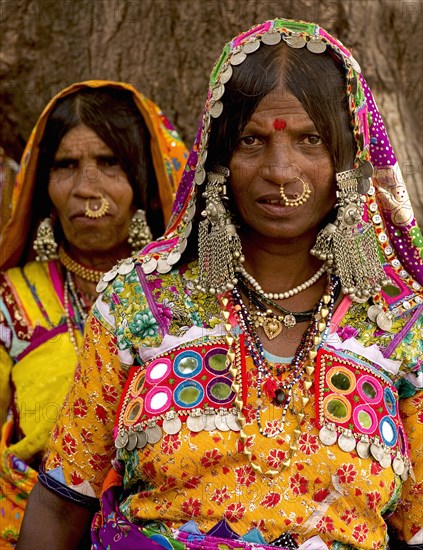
{"points": [[98, 259]]}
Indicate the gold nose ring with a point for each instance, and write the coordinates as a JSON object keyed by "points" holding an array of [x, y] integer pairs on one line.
{"points": [[97, 211], [298, 199]]}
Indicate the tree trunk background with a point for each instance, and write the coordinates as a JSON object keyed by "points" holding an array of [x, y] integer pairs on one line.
{"points": [[167, 49]]}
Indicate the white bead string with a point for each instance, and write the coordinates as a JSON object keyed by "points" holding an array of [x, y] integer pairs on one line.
{"points": [[280, 295]]}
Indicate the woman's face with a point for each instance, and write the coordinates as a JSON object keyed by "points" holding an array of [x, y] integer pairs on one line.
{"points": [[85, 168], [278, 145]]}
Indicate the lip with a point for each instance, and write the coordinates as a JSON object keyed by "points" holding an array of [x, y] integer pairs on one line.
{"points": [[273, 205]]}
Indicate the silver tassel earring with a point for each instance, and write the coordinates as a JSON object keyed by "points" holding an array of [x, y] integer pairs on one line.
{"points": [[44, 244], [139, 233], [219, 246], [348, 246]]}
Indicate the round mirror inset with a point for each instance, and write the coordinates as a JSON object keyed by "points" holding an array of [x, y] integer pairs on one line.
{"points": [[340, 380], [215, 361], [187, 364], [189, 393], [390, 401], [337, 408], [133, 411], [158, 400], [369, 389], [365, 419], [388, 431], [158, 370], [138, 383], [219, 390]]}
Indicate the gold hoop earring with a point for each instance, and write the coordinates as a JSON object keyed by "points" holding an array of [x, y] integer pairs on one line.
{"points": [[298, 199], [97, 211]]}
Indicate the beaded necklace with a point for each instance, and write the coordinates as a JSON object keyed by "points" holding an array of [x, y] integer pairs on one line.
{"points": [[71, 295], [281, 393]]}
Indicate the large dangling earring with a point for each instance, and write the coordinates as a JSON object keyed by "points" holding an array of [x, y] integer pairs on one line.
{"points": [[219, 247], [44, 244], [139, 231], [348, 246]]}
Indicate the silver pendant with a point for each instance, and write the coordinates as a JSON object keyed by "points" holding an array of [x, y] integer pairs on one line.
{"points": [[196, 423], [217, 93], [251, 46], [210, 421], [271, 38], [363, 449], [110, 275], [404, 475], [289, 321], [200, 175], [238, 58], [386, 460], [346, 441], [295, 41], [316, 45], [121, 439], [216, 109], [126, 267], [363, 186], [174, 257], [226, 74], [172, 425], [376, 451], [163, 266], [355, 65], [384, 322], [398, 464], [141, 439], [373, 312], [101, 285], [221, 423], [149, 266], [132, 441], [154, 434], [328, 435], [233, 422]]}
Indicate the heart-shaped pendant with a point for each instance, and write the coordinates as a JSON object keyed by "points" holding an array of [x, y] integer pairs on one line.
{"points": [[272, 328]]}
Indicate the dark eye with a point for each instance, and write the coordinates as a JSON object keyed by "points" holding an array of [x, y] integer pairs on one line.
{"points": [[64, 164], [108, 161], [248, 140], [313, 139]]}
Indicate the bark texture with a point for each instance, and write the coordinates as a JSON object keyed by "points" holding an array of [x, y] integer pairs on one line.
{"points": [[167, 49]]}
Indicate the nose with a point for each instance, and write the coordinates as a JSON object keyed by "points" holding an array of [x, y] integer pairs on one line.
{"points": [[87, 181], [279, 166]]}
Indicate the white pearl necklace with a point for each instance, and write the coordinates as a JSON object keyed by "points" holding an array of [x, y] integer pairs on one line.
{"points": [[280, 295]]}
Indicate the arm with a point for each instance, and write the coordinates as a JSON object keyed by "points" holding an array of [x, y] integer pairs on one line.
{"points": [[52, 522]]}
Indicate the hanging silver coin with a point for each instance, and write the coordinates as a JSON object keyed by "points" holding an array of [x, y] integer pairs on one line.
{"points": [[366, 169], [271, 38], [251, 46], [363, 185], [373, 312], [226, 74], [141, 439], [172, 426], [216, 109], [346, 442], [110, 275], [386, 460], [238, 58], [404, 475], [200, 175], [295, 41], [218, 91], [384, 322], [363, 449], [316, 45], [132, 441], [398, 465], [183, 244], [121, 439], [154, 434], [376, 451], [174, 257], [327, 435], [355, 65], [101, 285], [149, 266], [196, 423], [233, 422], [210, 421], [163, 266], [126, 267], [221, 423]]}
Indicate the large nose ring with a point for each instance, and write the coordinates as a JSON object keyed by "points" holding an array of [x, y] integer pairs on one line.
{"points": [[298, 199], [98, 210]]}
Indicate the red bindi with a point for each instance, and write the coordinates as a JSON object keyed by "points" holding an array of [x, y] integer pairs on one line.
{"points": [[279, 124]]}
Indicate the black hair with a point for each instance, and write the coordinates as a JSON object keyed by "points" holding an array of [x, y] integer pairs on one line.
{"points": [[112, 114]]}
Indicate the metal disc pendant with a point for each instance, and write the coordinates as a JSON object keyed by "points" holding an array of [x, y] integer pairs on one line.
{"points": [[218, 91], [384, 322], [271, 38], [363, 185], [110, 275], [172, 426], [141, 439], [233, 422], [238, 58], [386, 460], [126, 267], [296, 41], [132, 441], [316, 45], [183, 244], [200, 175], [174, 257], [327, 435], [121, 440], [363, 449], [221, 423], [149, 266], [163, 266], [355, 65], [289, 320], [216, 109], [346, 442], [154, 434], [101, 285], [366, 169], [196, 423], [251, 46], [376, 451], [404, 475], [226, 74], [210, 425], [373, 312], [398, 465]]}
